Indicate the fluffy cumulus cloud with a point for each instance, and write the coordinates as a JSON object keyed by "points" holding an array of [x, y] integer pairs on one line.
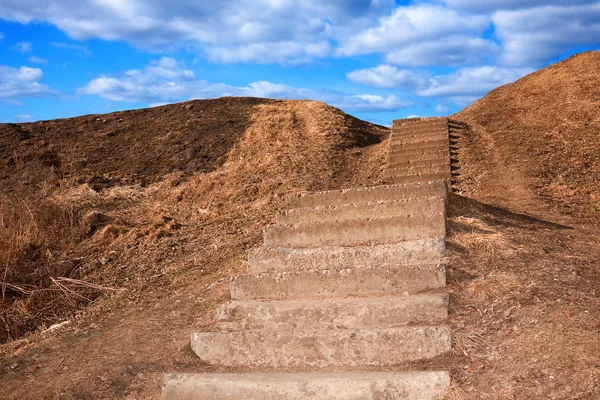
{"points": [[23, 82], [168, 80], [486, 6], [409, 25], [388, 76], [232, 31], [463, 85], [533, 36], [269, 53], [451, 50], [467, 84]]}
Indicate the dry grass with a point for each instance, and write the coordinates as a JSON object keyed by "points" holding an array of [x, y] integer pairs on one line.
{"points": [[171, 238], [524, 307], [37, 287]]}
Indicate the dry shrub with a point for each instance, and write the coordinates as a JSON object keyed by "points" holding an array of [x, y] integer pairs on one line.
{"points": [[34, 236]]}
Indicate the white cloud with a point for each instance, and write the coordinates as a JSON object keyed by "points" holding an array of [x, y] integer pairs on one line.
{"points": [[38, 60], [218, 28], [442, 109], [23, 47], [534, 36], [467, 84], [168, 80], [268, 53], [452, 50], [412, 24], [462, 86], [423, 33], [487, 6], [78, 48], [25, 117], [387, 76], [24, 82]]}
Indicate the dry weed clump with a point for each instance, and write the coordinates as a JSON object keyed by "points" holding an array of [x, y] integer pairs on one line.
{"points": [[35, 280]]}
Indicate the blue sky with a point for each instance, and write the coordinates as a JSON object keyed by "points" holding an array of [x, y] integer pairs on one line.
{"points": [[379, 59]]}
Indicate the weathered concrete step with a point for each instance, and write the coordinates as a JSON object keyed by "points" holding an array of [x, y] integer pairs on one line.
{"points": [[417, 178], [321, 349], [414, 122], [278, 259], [420, 133], [357, 195], [425, 169], [417, 144], [321, 284], [419, 205], [440, 145], [437, 158], [398, 144], [415, 153], [418, 162], [423, 133], [416, 137], [356, 232], [359, 385], [352, 313]]}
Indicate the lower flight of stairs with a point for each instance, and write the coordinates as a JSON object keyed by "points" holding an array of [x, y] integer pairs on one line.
{"points": [[348, 285]]}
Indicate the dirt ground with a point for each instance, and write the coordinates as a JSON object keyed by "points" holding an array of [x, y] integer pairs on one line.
{"points": [[523, 246]]}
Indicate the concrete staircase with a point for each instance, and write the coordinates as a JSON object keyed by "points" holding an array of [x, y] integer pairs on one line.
{"points": [[345, 289]]}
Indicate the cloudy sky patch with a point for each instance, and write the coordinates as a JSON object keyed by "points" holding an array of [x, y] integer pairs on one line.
{"points": [[379, 59]]}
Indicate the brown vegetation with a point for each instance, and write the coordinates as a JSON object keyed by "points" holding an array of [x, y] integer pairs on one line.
{"points": [[546, 129], [524, 243], [145, 215]]}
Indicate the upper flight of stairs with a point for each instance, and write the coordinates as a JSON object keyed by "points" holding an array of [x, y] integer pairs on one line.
{"points": [[345, 288]]}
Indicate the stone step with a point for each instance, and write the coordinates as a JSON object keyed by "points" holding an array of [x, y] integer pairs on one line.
{"points": [[437, 158], [420, 133], [440, 145], [417, 122], [356, 232], [367, 194], [418, 162], [321, 349], [417, 178], [419, 205], [425, 134], [321, 284], [358, 385], [414, 137], [416, 153], [418, 141], [421, 170], [351, 313], [278, 259]]}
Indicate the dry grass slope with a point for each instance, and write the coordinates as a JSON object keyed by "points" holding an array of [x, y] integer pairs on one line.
{"points": [[544, 128], [141, 207]]}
